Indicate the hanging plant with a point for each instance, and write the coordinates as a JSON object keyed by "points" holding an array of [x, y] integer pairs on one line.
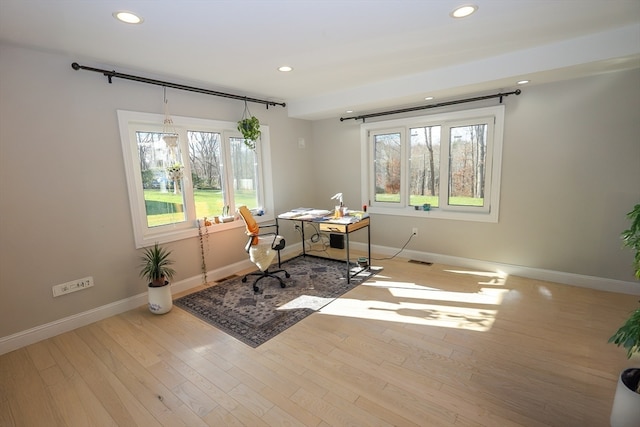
{"points": [[175, 171], [249, 127]]}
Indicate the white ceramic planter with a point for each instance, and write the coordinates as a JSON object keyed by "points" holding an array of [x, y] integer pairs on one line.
{"points": [[626, 405], [160, 300]]}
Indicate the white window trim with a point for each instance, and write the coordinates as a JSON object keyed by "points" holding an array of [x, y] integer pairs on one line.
{"points": [[490, 214], [145, 236]]}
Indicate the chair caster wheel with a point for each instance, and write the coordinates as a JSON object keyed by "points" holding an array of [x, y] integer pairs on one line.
{"points": [[256, 289], [282, 285], [244, 280], [287, 275]]}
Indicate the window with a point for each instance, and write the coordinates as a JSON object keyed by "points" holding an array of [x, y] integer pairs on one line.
{"points": [[205, 172], [450, 161]]}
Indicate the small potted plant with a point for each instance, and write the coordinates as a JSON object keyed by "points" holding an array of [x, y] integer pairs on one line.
{"points": [[155, 269], [626, 403]]}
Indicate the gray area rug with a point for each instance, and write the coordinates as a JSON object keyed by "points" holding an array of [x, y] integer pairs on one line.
{"points": [[234, 308]]}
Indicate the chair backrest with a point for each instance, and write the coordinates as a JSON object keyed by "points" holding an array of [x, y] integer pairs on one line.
{"points": [[252, 227]]}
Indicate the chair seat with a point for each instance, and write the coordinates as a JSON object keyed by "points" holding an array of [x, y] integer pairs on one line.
{"points": [[262, 255], [262, 248]]}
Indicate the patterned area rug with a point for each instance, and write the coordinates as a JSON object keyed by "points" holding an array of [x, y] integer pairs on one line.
{"points": [[234, 308]]}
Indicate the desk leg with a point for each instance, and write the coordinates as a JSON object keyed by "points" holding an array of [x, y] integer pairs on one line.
{"points": [[277, 233], [304, 251], [369, 245], [348, 261]]}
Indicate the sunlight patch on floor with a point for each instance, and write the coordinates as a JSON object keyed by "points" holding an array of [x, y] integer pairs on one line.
{"points": [[306, 301], [497, 277], [486, 296], [408, 302], [447, 316]]}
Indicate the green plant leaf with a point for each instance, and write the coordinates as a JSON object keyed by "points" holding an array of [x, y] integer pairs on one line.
{"points": [[250, 130], [155, 264]]}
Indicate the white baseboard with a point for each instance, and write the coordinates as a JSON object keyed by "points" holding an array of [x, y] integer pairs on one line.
{"points": [[591, 282], [48, 330], [51, 329]]}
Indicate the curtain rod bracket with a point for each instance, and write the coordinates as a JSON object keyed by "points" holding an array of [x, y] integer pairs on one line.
{"points": [[111, 74]]}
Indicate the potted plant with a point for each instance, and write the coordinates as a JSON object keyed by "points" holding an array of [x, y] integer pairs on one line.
{"points": [[175, 173], [626, 403], [155, 269], [249, 127]]}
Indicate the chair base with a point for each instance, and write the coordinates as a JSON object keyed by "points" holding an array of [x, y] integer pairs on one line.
{"points": [[266, 273]]}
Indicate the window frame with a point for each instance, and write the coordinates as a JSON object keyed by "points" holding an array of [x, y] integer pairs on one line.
{"points": [[131, 121], [488, 213]]}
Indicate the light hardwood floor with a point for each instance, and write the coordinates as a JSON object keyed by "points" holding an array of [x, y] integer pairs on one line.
{"points": [[417, 345]]}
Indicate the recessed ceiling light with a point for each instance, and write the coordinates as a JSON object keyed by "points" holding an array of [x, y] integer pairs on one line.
{"points": [[463, 11], [285, 68], [428, 98], [523, 82], [349, 111], [127, 17]]}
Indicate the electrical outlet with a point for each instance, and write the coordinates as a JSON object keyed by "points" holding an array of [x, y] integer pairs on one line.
{"points": [[74, 285], [414, 232]]}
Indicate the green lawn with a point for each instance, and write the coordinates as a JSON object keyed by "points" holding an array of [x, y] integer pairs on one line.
{"points": [[432, 200], [167, 208]]}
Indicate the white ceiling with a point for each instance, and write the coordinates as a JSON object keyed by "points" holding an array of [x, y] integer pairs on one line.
{"points": [[363, 55]]}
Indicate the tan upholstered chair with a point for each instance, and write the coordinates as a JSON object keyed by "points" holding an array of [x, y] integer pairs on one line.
{"points": [[262, 248]]}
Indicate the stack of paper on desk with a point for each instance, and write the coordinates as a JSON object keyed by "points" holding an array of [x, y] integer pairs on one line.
{"points": [[304, 213], [344, 220], [359, 214], [318, 212], [289, 215]]}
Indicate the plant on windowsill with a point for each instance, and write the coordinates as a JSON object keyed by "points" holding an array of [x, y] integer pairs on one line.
{"points": [[626, 404], [155, 268]]}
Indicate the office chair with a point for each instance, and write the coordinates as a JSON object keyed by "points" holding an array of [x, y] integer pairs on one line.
{"points": [[262, 250]]}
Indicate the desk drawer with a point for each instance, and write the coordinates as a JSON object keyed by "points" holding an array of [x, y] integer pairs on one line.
{"points": [[343, 228]]}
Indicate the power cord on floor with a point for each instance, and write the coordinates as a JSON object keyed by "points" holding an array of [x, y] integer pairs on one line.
{"points": [[315, 239], [397, 253]]}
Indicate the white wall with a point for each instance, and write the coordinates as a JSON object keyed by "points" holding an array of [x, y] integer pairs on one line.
{"points": [[570, 172], [64, 211]]}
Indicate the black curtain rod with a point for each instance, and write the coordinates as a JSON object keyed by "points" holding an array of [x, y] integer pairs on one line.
{"points": [[111, 74], [425, 107]]}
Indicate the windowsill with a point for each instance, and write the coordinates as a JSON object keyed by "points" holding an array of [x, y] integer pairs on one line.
{"points": [[435, 213], [237, 223], [188, 233]]}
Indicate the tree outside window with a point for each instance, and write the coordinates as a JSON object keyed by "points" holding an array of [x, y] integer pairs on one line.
{"points": [[209, 171], [450, 161]]}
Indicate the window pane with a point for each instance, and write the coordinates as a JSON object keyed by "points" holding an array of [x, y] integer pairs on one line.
{"points": [[161, 172], [244, 162], [424, 160], [387, 167], [467, 160], [206, 172]]}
